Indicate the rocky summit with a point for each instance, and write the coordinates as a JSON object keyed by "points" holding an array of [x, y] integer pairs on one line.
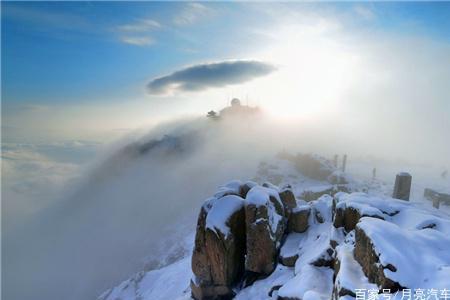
{"points": [[320, 237], [328, 247]]}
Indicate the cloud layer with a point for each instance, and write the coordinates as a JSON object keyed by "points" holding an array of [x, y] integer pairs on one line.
{"points": [[192, 13], [204, 76], [137, 40]]}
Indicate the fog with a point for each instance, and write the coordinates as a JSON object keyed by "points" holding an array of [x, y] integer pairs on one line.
{"points": [[107, 222], [114, 217]]}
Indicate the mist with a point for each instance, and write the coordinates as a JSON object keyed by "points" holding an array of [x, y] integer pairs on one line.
{"points": [[113, 219]]}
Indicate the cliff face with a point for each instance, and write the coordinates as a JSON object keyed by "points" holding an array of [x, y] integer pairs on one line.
{"points": [[263, 241]]}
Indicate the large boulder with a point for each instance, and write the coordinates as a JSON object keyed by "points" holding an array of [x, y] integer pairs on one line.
{"points": [[367, 256], [287, 197], [298, 219], [348, 214], [235, 187], [348, 275], [265, 225], [323, 209], [405, 254], [218, 256]]}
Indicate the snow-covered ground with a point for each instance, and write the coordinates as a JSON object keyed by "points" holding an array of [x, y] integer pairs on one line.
{"points": [[413, 235]]}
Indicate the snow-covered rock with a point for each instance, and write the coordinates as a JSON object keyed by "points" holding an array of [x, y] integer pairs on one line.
{"points": [[234, 234], [288, 198], [348, 272], [309, 283], [348, 214], [217, 259], [396, 258], [298, 219], [325, 248], [323, 209], [290, 250], [265, 225], [170, 282]]}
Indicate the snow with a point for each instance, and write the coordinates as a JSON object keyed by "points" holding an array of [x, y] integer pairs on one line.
{"points": [[351, 276], [371, 205], [232, 187], [274, 220], [337, 234], [221, 210], [323, 207], [260, 195], [314, 246], [420, 254], [261, 288], [418, 218], [170, 276], [363, 209], [171, 282], [291, 245], [301, 206], [269, 185], [309, 279], [421, 257], [403, 174]]}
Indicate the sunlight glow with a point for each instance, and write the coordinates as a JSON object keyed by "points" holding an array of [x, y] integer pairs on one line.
{"points": [[315, 69]]}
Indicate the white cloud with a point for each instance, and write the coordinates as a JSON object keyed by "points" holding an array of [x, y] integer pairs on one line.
{"points": [[203, 76], [35, 174], [142, 25], [192, 13], [133, 33], [137, 40], [364, 12]]}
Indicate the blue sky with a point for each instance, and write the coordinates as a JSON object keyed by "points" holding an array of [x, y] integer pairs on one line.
{"points": [[78, 48], [73, 51], [105, 53]]}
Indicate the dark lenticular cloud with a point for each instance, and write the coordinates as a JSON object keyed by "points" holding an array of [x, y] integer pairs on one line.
{"points": [[204, 76]]}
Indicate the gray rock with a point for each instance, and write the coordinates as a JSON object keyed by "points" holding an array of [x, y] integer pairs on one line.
{"points": [[369, 260], [265, 225], [218, 257], [298, 219], [402, 187], [348, 216]]}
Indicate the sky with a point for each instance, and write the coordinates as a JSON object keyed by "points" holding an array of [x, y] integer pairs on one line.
{"points": [[82, 70]]}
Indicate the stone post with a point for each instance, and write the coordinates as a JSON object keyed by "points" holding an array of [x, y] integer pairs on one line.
{"points": [[335, 160], [374, 173], [436, 202], [344, 162], [402, 187]]}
